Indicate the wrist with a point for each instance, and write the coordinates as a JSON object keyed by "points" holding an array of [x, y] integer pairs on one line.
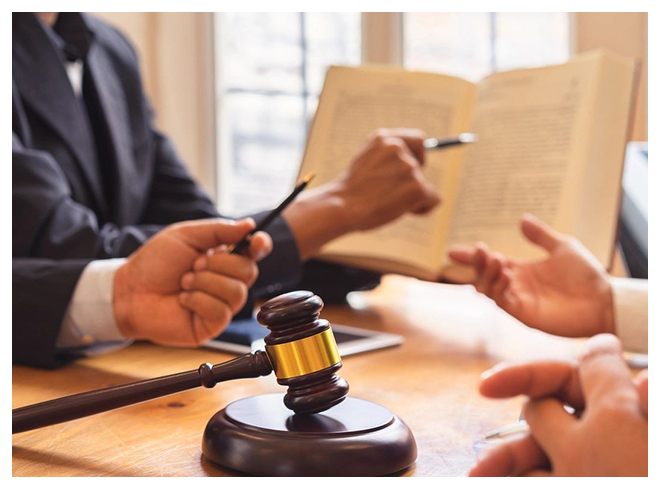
{"points": [[121, 301], [318, 216], [353, 212], [340, 207]]}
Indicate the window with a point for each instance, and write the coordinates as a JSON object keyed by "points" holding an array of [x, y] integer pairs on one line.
{"points": [[270, 69], [471, 45]]}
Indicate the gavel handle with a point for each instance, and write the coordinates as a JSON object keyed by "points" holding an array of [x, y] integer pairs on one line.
{"points": [[87, 403]]}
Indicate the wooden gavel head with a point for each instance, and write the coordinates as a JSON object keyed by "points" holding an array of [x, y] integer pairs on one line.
{"points": [[303, 352]]}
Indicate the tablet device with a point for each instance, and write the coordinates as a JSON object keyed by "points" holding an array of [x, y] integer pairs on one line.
{"points": [[246, 335]]}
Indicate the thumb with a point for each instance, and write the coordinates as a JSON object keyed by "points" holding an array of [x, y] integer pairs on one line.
{"points": [[205, 234], [540, 233]]}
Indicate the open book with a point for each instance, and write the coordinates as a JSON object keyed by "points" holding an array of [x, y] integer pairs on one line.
{"points": [[551, 142]]}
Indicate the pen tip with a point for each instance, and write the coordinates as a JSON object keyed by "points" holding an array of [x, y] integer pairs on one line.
{"points": [[308, 177], [468, 137]]}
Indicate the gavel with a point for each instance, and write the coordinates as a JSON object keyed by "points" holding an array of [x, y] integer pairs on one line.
{"points": [[300, 349]]}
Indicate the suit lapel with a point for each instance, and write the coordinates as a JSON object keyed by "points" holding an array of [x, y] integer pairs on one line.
{"points": [[113, 105], [44, 86]]}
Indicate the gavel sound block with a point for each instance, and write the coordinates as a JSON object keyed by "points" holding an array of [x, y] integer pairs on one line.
{"points": [[329, 434], [319, 432]]}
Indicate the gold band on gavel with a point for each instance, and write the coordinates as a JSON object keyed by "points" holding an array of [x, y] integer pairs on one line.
{"points": [[304, 356]]}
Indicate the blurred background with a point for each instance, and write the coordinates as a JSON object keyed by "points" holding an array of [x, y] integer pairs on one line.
{"points": [[237, 91]]}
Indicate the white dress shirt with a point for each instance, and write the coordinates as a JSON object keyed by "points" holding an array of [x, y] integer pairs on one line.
{"points": [[89, 325], [631, 312]]}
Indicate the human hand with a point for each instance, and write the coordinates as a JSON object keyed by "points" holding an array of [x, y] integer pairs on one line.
{"points": [[610, 438], [383, 182], [180, 288], [385, 179], [567, 294]]}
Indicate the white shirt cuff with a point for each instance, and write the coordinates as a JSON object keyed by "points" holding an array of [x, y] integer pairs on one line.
{"points": [[631, 312], [89, 324]]}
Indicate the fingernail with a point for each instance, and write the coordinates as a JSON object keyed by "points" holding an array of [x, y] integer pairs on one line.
{"points": [[187, 280], [493, 370], [200, 264]]}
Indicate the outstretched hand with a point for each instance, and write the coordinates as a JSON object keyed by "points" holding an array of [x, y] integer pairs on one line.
{"points": [[568, 293]]}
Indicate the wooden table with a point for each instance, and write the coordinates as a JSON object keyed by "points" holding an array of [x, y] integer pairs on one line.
{"points": [[452, 336]]}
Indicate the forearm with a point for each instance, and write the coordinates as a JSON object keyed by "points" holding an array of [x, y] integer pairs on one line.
{"points": [[317, 217]]}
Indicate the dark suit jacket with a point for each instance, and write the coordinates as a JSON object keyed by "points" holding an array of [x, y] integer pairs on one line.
{"points": [[62, 215]]}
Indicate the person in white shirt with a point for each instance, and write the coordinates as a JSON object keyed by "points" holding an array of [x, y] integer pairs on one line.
{"points": [[568, 293]]}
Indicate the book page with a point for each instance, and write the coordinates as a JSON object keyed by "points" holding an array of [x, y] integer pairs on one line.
{"points": [[534, 130], [355, 102], [597, 217]]}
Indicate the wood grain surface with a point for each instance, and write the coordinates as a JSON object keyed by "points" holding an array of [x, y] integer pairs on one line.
{"points": [[452, 335]]}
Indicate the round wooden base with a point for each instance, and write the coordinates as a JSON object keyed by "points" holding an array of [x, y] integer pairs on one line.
{"points": [[260, 436]]}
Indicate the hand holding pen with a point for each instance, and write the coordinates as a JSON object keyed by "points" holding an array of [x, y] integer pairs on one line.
{"points": [[605, 434], [429, 144]]}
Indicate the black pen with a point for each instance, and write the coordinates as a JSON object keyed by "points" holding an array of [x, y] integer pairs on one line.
{"points": [[241, 245], [464, 138]]}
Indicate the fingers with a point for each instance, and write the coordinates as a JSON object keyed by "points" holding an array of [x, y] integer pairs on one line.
{"points": [[425, 196], [540, 233], [489, 266], [430, 197], [494, 265], [205, 234], [493, 270], [229, 290], [214, 313], [479, 262], [234, 266], [604, 375], [462, 254], [261, 245], [510, 458], [535, 380], [413, 138], [550, 424], [642, 383], [500, 288]]}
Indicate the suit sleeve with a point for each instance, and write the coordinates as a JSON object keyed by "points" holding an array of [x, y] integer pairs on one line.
{"points": [[49, 223], [41, 291]]}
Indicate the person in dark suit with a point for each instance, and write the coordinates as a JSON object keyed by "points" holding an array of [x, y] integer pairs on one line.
{"points": [[95, 182]]}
